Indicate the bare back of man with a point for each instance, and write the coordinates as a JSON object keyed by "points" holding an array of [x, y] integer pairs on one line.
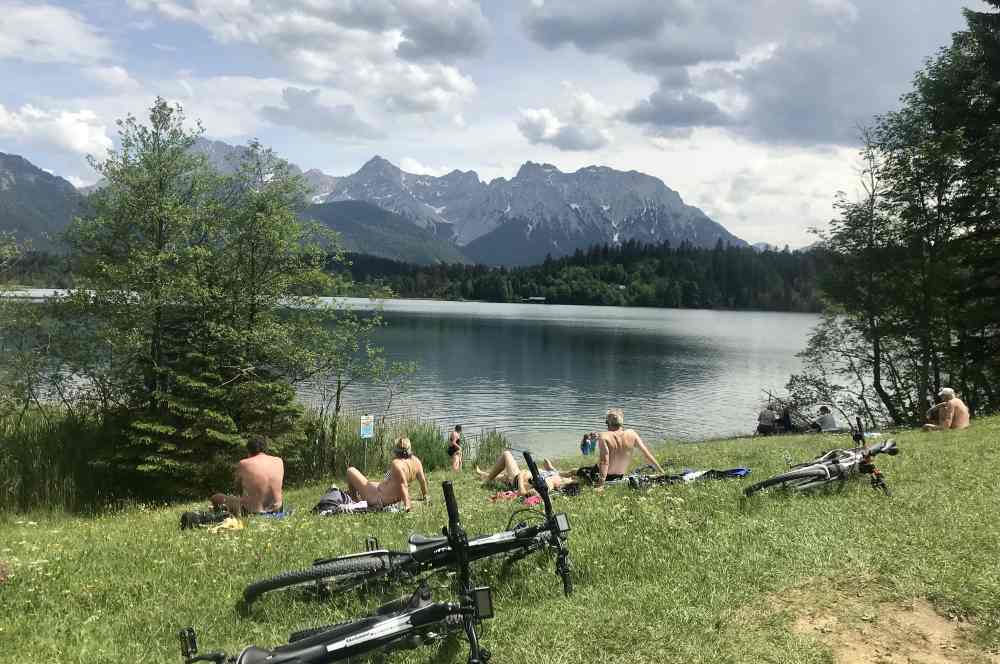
{"points": [[950, 413], [615, 446], [261, 477]]}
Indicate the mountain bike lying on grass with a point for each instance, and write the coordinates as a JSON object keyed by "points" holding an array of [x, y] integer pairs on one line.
{"points": [[335, 575], [835, 465], [403, 624]]}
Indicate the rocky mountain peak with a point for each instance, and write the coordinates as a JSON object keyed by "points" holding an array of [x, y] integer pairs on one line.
{"points": [[530, 169], [465, 177], [379, 166]]}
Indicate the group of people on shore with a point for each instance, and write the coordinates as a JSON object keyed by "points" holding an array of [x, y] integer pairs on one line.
{"points": [[260, 476], [949, 412], [770, 422]]}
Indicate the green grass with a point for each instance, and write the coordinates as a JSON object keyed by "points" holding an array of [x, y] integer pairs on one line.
{"points": [[675, 574]]}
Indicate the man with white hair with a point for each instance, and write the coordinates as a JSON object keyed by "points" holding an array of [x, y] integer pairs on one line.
{"points": [[950, 413], [614, 449]]}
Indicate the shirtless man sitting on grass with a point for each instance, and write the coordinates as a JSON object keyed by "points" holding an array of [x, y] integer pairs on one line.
{"points": [[950, 413], [512, 478], [259, 477], [614, 450], [405, 468]]}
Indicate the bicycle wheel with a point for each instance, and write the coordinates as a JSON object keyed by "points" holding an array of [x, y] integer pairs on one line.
{"points": [[789, 480], [333, 577]]}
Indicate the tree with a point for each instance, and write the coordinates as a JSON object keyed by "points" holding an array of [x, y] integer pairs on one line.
{"points": [[196, 288], [914, 260]]}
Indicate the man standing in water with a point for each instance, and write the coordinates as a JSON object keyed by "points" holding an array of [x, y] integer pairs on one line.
{"points": [[614, 449], [455, 448], [259, 477]]}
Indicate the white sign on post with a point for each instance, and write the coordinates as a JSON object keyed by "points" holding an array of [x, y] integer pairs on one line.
{"points": [[367, 426]]}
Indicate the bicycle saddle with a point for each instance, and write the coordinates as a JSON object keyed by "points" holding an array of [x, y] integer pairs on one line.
{"points": [[421, 541]]}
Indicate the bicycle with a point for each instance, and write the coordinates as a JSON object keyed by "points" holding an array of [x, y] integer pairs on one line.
{"points": [[402, 624], [835, 465], [329, 576]]}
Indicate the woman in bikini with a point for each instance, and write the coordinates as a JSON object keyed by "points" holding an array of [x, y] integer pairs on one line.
{"points": [[405, 468], [512, 478]]}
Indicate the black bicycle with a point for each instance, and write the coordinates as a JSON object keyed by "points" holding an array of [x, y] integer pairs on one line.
{"points": [[403, 624], [335, 575], [836, 465]]}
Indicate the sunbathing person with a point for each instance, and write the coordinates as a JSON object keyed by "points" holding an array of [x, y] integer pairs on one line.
{"points": [[950, 413], [259, 478], [405, 468], [511, 478], [614, 449]]}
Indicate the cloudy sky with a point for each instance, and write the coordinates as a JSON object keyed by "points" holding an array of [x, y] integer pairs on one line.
{"points": [[748, 109]]}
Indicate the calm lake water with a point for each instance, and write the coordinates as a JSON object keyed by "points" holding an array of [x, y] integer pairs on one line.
{"points": [[545, 374]]}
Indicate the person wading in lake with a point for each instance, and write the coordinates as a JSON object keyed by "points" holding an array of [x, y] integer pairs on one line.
{"points": [[614, 450], [405, 468], [259, 477], [950, 413], [455, 448]]}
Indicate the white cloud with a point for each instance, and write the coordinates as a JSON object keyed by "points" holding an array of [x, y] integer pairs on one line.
{"points": [[399, 51], [583, 125], [114, 77], [38, 32], [81, 132], [411, 165]]}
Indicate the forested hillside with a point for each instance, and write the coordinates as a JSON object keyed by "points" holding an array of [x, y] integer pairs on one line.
{"points": [[632, 274]]}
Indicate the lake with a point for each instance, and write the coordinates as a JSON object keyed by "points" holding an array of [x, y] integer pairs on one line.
{"points": [[545, 374]]}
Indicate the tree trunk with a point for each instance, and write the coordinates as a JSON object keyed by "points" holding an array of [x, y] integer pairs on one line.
{"points": [[887, 400], [337, 405]]}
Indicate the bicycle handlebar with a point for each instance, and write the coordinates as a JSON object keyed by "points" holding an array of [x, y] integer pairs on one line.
{"points": [[541, 488]]}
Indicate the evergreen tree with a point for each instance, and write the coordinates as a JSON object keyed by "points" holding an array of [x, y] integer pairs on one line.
{"points": [[182, 275]]}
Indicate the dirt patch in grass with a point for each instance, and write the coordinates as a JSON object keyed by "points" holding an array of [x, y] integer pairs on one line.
{"points": [[861, 631]]}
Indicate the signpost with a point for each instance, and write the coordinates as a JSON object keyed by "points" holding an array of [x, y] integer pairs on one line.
{"points": [[367, 432], [367, 426]]}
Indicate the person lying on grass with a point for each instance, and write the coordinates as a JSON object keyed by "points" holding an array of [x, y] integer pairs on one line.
{"points": [[506, 473], [259, 478], [405, 468]]}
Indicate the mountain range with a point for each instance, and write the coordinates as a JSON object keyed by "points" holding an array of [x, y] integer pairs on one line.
{"points": [[539, 211], [385, 211], [34, 204]]}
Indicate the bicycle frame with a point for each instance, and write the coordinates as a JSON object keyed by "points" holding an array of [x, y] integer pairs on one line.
{"points": [[391, 627], [435, 552]]}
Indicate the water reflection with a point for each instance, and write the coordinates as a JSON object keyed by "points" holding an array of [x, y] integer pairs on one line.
{"points": [[547, 373]]}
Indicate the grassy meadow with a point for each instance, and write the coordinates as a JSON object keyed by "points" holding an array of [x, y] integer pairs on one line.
{"points": [[688, 573]]}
